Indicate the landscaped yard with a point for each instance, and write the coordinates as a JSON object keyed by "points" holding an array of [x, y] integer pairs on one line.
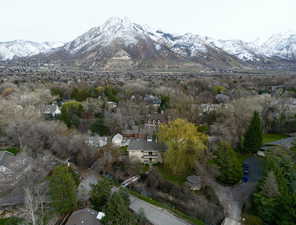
{"points": [[176, 179], [12, 150], [267, 138]]}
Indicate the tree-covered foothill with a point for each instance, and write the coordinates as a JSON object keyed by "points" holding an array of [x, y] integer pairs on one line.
{"points": [[62, 190], [230, 167], [100, 194], [275, 199], [71, 113], [254, 135], [184, 142]]}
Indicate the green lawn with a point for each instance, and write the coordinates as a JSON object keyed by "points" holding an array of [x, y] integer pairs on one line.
{"points": [[166, 174], [267, 138], [12, 150], [191, 220], [10, 221]]}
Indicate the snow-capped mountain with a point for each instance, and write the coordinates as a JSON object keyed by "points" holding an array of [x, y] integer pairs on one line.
{"points": [[119, 42], [246, 51], [143, 44], [123, 30], [282, 45], [21, 48]]}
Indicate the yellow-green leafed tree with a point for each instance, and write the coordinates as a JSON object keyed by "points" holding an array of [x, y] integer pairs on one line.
{"points": [[184, 142]]}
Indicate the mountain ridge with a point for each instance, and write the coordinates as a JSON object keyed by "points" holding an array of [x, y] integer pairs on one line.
{"points": [[146, 46]]}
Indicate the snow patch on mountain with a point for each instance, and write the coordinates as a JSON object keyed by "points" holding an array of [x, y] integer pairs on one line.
{"points": [[282, 45], [21, 48], [246, 51]]}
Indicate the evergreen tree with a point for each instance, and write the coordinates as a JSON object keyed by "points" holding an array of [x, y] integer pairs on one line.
{"points": [[100, 194], [229, 164], [253, 136], [117, 211], [62, 190]]}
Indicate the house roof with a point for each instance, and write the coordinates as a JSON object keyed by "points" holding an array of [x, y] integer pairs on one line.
{"points": [[117, 139], [194, 180], [143, 145], [151, 99], [84, 217], [50, 109]]}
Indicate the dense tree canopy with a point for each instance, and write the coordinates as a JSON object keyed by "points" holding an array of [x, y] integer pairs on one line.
{"points": [[71, 113], [184, 142], [275, 200]]}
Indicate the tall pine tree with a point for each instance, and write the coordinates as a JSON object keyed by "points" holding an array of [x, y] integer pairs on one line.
{"points": [[253, 136], [230, 166], [62, 190]]}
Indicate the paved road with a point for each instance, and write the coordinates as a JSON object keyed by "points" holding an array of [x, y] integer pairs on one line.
{"points": [[155, 215]]}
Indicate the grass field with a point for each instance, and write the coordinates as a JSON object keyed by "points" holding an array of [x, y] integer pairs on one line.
{"points": [[267, 138]]}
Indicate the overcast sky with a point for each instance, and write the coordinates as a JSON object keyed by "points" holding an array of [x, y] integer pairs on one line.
{"points": [[63, 20]]}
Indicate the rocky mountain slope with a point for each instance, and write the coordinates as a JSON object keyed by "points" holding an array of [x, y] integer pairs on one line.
{"points": [[122, 44]]}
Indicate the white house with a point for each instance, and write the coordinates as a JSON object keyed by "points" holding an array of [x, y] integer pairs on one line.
{"points": [[52, 110]]}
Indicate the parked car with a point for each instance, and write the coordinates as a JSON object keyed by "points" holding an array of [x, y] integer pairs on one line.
{"points": [[245, 179]]}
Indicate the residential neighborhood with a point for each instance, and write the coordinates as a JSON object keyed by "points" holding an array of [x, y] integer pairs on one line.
{"points": [[147, 112]]}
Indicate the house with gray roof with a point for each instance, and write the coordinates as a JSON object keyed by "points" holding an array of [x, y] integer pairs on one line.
{"points": [[147, 151]]}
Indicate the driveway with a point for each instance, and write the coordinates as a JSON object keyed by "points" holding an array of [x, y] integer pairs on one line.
{"points": [[154, 214], [255, 168], [232, 198]]}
